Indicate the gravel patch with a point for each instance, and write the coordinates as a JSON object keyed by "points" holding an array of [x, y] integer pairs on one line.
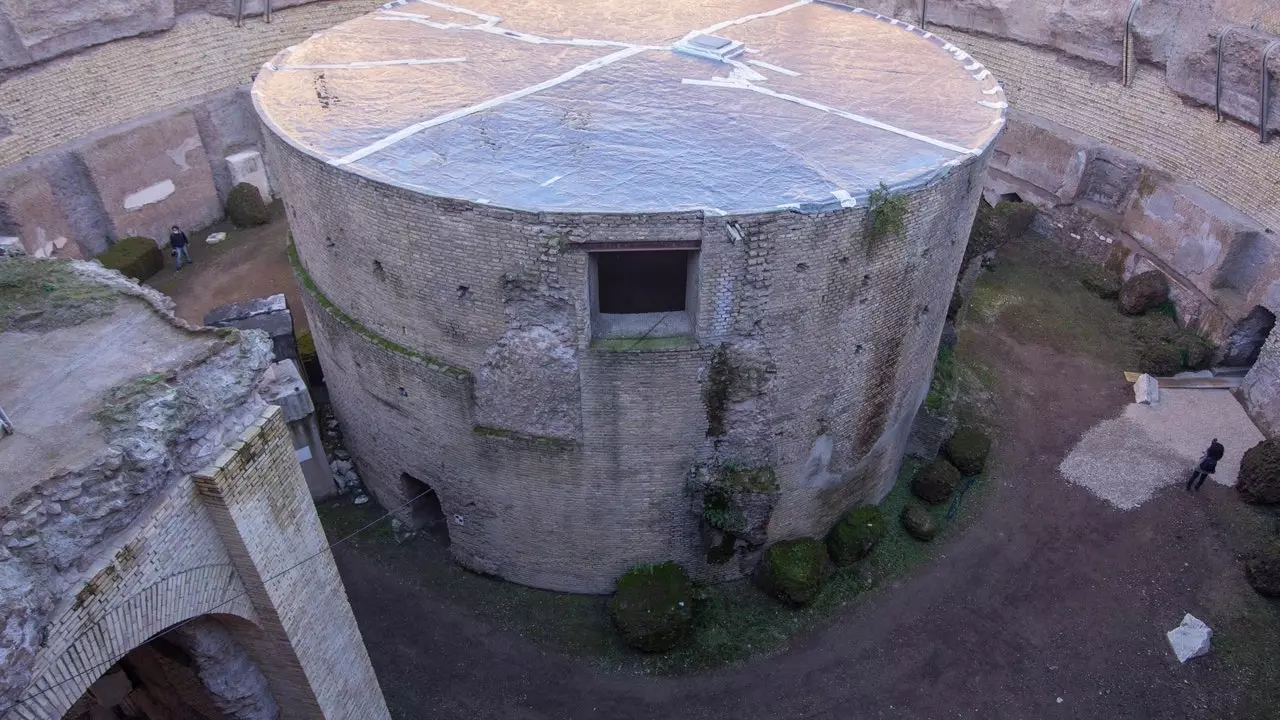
{"points": [[1127, 459]]}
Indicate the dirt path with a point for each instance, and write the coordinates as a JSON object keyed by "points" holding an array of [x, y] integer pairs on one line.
{"points": [[250, 263], [1053, 605]]}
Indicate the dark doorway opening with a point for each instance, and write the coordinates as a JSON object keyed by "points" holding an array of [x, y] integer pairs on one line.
{"points": [[425, 513], [652, 281], [1012, 197], [1247, 338]]}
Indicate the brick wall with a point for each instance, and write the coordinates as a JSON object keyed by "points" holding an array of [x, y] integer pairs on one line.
{"points": [[197, 552], [848, 329]]}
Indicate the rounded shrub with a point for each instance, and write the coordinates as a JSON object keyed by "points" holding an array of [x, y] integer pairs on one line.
{"points": [[935, 482], [137, 257], [919, 522], [855, 535], [792, 570], [967, 450], [1143, 292], [1101, 281], [1262, 569], [245, 206], [1259, 479], [653, 606], [1159, 359]]}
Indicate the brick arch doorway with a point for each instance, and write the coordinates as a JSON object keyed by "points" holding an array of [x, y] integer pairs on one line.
{"points": [[425, 514], [199, 669]]}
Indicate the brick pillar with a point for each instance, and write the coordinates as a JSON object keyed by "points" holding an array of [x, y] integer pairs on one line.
{"points": [[311, 650]]}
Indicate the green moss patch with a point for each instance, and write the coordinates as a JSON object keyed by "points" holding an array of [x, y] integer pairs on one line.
{"points": [[246, 207], [38, 295], [943, 386], [886, 214], [653, 606], [855, 535], [792, 570], [935, 482], [304, 279], [136, 257]]}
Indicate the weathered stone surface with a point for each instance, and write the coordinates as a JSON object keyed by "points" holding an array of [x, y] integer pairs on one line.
{"points": [[227, 8], [1146, 390], [46, 28], [270, 315], [245, 206], [793, 570], [1260, 391], [1042, 157], [1143, 292], [1259, 479], [154, 176], [918, 522], [39, 219], [235, 683], [1195, 233], [1110, 178], [228, 128], [1244, 343], [1190, 639]]}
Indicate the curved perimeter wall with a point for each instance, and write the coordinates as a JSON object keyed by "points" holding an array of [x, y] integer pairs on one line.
{"points": [[455, 339]]}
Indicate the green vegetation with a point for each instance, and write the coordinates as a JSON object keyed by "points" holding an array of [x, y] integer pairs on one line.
{"points": [[942, 387], [641, 344], [1101, 281], [1038, 297], [306, 345], [886, 214], [733, 622], [653, 606], [336, 313], [721, 512], [245, 206], [737, 478], [716, 394], [855, 535], [967, 450], [792, 570], [46, 294], [136, 257], [994, 226]]}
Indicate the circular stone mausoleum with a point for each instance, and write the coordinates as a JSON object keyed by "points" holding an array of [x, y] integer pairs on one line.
{"points": [[627, 282]]}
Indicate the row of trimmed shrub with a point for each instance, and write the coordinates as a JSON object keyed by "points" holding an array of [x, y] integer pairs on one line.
{"points": [[653, 606]]}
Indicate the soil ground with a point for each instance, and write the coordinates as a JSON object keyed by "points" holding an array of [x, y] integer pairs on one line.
{"points": [[1050, 604], [250, 263]]}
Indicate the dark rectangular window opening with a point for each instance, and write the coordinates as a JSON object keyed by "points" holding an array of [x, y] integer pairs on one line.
{"points": [[631, 283]]}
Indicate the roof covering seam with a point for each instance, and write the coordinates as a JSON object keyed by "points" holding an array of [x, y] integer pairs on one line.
{"points": [[741, 76]]}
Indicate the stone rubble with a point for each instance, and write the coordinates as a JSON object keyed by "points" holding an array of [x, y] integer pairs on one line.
{"points": [[1190, 639], [1146, 390]]}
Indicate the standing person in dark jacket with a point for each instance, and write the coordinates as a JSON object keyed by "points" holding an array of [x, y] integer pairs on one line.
{"points": [[1208, 464], [178, 241]]}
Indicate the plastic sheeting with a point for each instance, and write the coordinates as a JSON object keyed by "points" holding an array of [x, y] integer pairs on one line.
{"points": [[593, 106]]}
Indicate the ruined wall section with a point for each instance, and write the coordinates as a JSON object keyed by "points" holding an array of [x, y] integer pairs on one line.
{"points": [[116, 116], [413, 300]]}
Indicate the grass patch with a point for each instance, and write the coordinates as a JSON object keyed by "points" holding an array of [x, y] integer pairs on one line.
{"points": [[40, 295], [942, 387], [734, 622], [642, 344], [1036, 294]]}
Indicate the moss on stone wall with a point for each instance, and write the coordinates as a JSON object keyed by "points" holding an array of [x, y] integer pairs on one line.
{"points": [[136, 257], [943, 386], [716, 391], [310, 286], [40, 295], [539, 440], [886, 214]]}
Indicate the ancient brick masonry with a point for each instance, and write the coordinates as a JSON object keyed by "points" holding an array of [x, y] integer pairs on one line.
{"points": [[848, 327]]}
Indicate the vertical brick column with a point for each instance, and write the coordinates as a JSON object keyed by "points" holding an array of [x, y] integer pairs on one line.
{"points": [[311, 650]]}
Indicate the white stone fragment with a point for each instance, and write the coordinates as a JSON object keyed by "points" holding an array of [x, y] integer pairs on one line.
{"points": [[248, 167], [1146, 390], [1190, 639], [215, 238], [361, 499]]}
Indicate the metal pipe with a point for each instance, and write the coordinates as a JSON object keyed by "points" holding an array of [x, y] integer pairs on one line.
{"points": [[268, 12], [239, 12], [1222, 47], [1126, 63], [924, 13], [1264, 98]]}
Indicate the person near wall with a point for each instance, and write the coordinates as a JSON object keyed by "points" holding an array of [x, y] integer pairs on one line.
{"points": [[1207, 466], [178, 241]]}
